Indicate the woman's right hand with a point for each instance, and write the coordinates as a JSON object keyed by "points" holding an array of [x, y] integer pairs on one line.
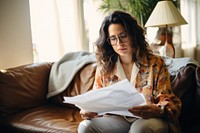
{"points": [[88, 115]]}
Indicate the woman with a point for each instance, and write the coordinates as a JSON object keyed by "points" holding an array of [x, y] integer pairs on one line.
{"points": [[123, 53]]}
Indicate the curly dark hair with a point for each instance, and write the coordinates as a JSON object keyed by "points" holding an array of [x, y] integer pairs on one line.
{"points": [[105, 54]]}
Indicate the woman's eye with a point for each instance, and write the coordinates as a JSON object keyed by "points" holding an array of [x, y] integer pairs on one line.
{"points": [[112, 38], [124, 35]]}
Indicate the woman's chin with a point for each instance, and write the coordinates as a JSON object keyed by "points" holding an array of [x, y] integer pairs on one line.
{"points": [[123, 53]]}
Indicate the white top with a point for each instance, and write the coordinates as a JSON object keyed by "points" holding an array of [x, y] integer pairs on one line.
{"points": [[121, 74]]}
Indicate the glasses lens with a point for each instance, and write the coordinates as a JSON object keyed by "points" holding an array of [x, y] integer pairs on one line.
{"points": [[112, 40], [123, 37]]}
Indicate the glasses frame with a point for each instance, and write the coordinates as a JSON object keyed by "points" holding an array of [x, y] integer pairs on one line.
{"points": [[118, 37]]}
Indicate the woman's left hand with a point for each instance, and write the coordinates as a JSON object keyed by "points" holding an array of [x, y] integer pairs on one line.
{"points": [[147, 111]]}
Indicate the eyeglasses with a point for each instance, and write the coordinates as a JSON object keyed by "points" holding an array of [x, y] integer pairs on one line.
{"points": [[122, 37]]}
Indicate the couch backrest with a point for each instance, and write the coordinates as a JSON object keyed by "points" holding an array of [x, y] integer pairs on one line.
{"points": [[23, 87]]}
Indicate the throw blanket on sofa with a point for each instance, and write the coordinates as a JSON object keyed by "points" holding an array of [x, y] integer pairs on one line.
{"points": [[174, 64], [63, 71]]}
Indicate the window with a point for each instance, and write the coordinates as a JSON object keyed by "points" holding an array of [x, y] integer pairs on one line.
{"points": [[61, 26]]}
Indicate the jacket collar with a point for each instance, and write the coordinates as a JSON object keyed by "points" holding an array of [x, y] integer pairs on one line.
{"points": [[144, 61]]}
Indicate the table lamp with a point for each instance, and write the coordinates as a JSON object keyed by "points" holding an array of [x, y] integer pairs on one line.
{"points": [[165, 14]]}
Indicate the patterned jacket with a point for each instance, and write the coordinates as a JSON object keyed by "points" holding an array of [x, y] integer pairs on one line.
{"points": [[153, 80]]}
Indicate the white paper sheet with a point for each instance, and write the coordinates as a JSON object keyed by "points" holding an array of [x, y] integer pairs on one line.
{"points": [[115, 99]]}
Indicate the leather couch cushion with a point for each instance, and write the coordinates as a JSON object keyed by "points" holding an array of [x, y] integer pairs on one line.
{"points": [[23, 87], [42, 119]]}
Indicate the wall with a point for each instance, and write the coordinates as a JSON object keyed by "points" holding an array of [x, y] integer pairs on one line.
{"points": [[15, 33]]}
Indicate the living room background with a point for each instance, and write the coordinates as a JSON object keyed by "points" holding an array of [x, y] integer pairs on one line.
{"points": [[16, 32]]}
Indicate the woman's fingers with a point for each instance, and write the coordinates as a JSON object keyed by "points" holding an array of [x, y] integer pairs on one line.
{"points": [[146, 111], [88, 115]]}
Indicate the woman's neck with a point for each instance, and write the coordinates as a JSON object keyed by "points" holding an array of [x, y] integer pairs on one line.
{"points": [[127, 64], [126, 60]]}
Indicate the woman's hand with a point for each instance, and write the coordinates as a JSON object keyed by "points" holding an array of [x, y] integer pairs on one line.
{"points": [[88, 115], [147, 111]]}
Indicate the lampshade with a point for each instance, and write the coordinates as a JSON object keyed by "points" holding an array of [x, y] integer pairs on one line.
{"points": [[165, 13]]}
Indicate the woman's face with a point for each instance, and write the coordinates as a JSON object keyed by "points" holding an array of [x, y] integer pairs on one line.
{"points": [[120, 40]]}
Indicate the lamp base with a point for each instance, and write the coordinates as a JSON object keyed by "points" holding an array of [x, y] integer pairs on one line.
{"points": [[167, 50]]}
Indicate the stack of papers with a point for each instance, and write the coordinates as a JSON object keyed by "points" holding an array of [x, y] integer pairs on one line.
{"points": [[114, 99]]}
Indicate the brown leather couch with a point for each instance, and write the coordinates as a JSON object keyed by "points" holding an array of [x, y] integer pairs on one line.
{"points": [[25, 108]]}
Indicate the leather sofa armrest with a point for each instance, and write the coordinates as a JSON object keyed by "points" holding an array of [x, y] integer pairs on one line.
{"points": [[23, 87]]}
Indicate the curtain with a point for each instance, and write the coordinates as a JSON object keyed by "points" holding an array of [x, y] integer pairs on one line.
{"points": [[189, 34], [57, 28]]}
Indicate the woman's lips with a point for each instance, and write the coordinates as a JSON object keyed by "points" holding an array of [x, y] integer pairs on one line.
{"points": [[122, 49]]}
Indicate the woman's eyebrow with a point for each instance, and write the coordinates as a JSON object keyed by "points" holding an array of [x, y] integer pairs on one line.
{"points": [[118, 34]]}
